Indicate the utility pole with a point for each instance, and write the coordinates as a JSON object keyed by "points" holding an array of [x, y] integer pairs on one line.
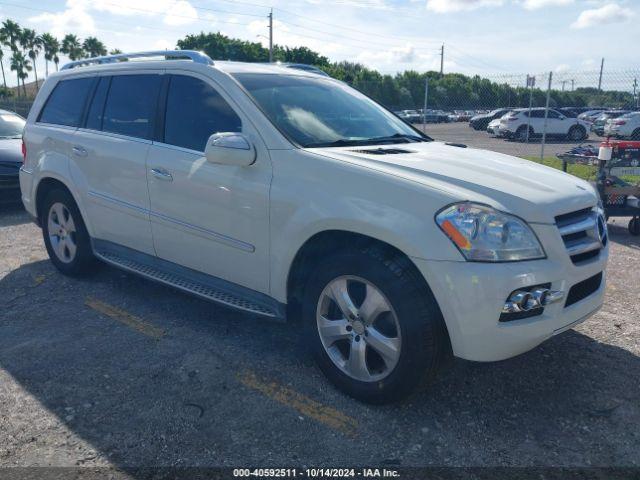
{"points": [[546, 117], [271, 36], [573, 82], [635, 96], [563, 82], [600, 80], [424, 111], [442, 60]]}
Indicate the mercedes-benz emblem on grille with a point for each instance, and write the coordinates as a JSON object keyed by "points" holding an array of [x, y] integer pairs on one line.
{"points": [[601, 230]]}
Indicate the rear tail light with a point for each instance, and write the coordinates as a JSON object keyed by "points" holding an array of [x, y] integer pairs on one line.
{"points": [[619, 122], [24, 152], [512, 118]]}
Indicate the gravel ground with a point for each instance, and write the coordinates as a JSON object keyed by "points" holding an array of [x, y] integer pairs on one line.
{"points": [[114, 370], [460, 132]]}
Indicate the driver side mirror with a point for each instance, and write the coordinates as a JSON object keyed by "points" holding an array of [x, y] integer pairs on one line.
{"points": [[230, 148]]}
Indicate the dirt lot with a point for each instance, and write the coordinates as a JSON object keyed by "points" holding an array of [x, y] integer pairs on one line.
{"points": [[460, 132], [116, 370]]}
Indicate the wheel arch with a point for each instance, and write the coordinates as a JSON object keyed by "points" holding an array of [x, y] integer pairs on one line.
{"points": [[49, 183]]}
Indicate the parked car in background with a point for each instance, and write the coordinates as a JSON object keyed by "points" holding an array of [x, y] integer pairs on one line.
{"points": [[481, 121], [434, 116], [11, 126], [625, 126], [494, 127], [187, 172], [514, 125], [569, 111], [601, 120], [410, 116], [590, 115]]}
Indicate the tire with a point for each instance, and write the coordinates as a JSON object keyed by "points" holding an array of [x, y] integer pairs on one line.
{"points": [[412, 324], [635, 135], [521, 133], [65, 234], [634, 226], [577, 133]]}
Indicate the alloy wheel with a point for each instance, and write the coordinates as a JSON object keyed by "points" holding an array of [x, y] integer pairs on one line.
{"points": [[62, 232], [358, 328]]}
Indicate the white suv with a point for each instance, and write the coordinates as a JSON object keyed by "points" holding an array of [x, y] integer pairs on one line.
{"points": [[515, 124], [289, 194], [625, 126]]}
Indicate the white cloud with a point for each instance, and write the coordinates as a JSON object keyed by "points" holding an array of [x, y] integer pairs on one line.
{"points": [[446, 6], [174, 12], [74, 18], [607, 14], [535, 4], [562, 68]]}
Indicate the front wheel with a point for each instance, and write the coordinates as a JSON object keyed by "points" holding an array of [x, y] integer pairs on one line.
{"points": [[373, 325], [634, 226]]}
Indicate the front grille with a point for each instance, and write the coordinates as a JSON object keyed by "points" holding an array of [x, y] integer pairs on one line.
{"points": [[583, 232], [583, 289]]}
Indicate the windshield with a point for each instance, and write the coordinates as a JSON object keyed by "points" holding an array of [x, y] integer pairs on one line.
{"points": [[318, 112], [11, 125]]}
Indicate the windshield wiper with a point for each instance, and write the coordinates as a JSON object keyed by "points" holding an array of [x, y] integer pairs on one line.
{"points": [[344, 142]]}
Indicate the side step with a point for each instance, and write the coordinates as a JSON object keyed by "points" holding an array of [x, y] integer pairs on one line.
{"points": [[190, 285]]}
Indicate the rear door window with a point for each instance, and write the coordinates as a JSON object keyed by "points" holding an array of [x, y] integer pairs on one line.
{"points": [[195, 110], [131, 105], [66, 103]]}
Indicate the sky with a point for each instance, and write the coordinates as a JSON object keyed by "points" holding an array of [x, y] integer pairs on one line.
{"points": [[488, 37]]}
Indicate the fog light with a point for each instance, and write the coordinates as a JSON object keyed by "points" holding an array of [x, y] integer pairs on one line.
{"points": [[528, 300]]}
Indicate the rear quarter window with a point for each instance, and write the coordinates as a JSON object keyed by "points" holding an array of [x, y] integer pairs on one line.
{"points": [[66, 102]]}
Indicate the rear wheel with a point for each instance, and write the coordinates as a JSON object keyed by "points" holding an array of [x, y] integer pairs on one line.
{"points": [[577, 133], [634, 226], [65, 234], [373, 326]]}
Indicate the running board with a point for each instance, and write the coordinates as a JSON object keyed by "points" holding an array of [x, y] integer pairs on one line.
{"points": [[223, 296]]}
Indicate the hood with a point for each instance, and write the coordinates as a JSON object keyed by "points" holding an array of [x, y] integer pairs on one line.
{"points": [[524, 188]]}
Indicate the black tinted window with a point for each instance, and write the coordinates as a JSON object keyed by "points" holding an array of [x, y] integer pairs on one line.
{"points": [[130, 106], [94, 116], [194, 112], [65, 104]]}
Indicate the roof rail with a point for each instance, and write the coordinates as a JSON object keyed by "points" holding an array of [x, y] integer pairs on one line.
{"points": [[197, 57]]}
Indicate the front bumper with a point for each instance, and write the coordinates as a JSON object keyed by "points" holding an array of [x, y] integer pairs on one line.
{"points": [[471, 296]]}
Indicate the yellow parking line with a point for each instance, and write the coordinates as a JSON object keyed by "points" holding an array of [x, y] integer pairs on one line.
{"points": [[303, 404], [125, 317]]}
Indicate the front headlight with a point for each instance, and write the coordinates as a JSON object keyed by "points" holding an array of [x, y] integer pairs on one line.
{"points": [[483, 234]]}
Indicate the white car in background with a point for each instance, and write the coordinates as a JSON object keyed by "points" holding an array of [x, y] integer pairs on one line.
{"points": [[625, 126], [291, 195], [514, 125], [494, 127]]}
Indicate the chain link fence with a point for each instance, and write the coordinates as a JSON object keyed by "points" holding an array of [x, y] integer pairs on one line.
{"points": [[551, 112], [20, 106]]}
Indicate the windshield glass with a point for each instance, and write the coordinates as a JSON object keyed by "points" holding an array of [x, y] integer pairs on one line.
{"points": [[11, 125], [318, 112]]}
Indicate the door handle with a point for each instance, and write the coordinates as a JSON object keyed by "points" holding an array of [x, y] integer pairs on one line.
{"points": [[162, 174], [79, 151]]}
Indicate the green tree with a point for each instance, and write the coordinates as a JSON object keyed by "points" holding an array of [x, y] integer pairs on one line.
{"points": [[51, 47], [94, 47], [72, 47], [22, 66], [11, 33], [32, 44]]}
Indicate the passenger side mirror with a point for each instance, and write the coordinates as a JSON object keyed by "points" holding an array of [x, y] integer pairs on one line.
{"points": [[230, 148]]}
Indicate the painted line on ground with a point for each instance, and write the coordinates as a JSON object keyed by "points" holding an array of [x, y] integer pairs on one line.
{"points": [[125, 317], [304, 405]]}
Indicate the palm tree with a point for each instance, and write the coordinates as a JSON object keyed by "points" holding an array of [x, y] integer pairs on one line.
{"points": [[21, 65], [71, 47], [31, 42], [94, 47], [4, 80], [51, 47], [11, 32], [56, 60]]}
